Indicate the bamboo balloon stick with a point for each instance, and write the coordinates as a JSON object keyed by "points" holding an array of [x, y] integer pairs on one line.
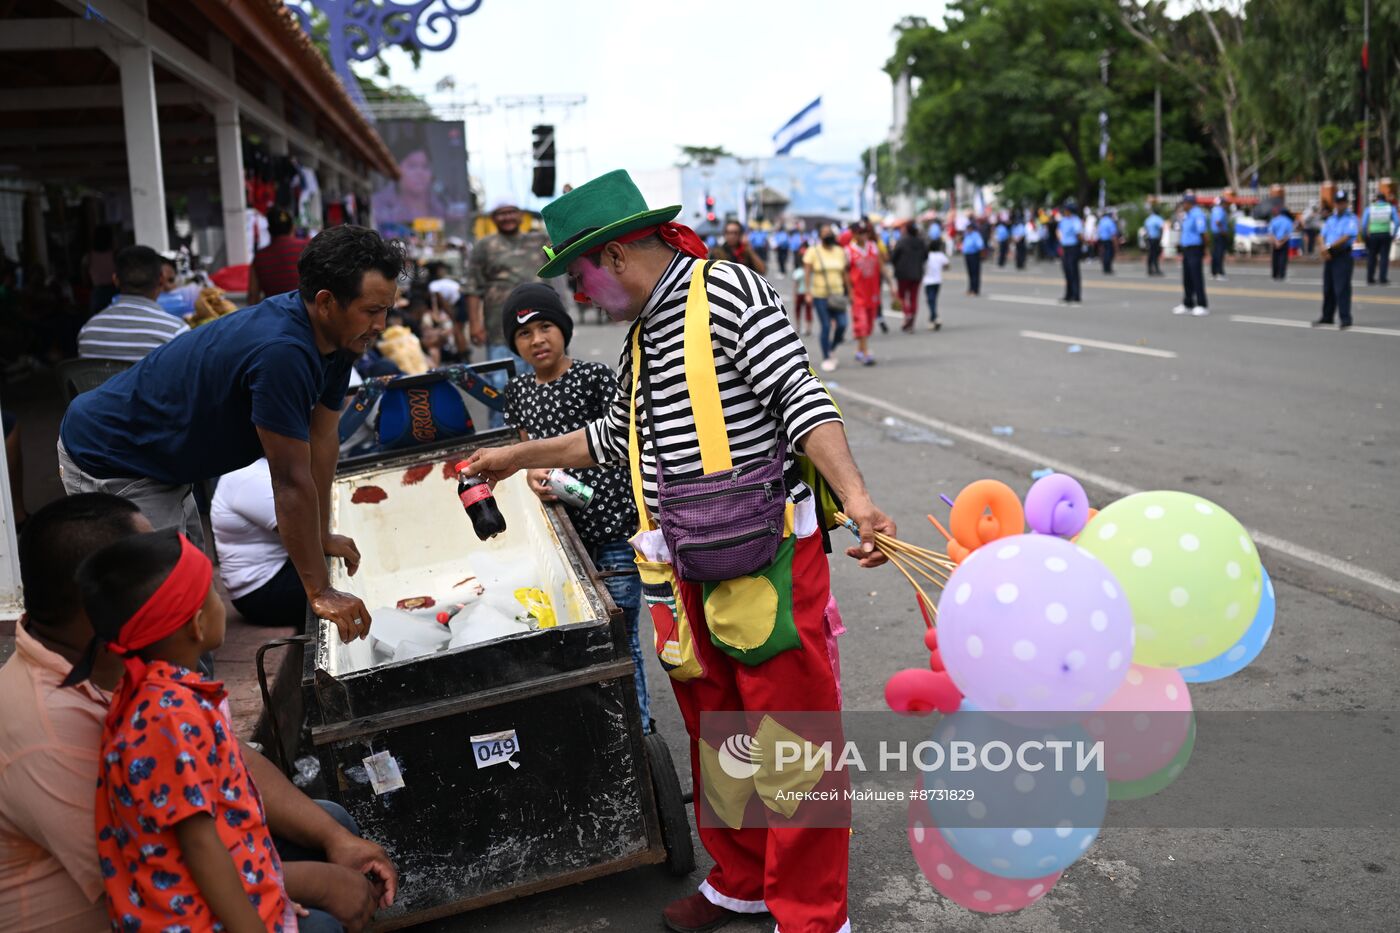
{"points": [[928, 604], [930, 568], [895, 543]]}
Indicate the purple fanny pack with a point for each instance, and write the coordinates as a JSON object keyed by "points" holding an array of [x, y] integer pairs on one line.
{"points": [[724, 525]]}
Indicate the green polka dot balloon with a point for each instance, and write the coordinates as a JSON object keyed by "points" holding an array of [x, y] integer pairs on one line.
{"points": [[1190, 571]]}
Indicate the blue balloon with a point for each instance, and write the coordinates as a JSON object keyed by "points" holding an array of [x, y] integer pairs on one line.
{"points": [[1023, 822], [1242, 652]]}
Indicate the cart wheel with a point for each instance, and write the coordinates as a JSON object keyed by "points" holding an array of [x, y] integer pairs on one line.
{"points": [[670, 806]]}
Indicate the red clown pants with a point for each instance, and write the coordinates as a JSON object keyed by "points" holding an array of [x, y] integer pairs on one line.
{"points": [[798, 874]]}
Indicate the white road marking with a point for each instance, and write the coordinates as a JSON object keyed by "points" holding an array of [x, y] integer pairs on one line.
{"points": [[1276, 321], [1284, 322], [1108, 484], [1024, 300], [1100, 344]]}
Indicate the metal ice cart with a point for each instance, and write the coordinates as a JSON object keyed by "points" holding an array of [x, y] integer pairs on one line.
{"points": [[499, 769]]}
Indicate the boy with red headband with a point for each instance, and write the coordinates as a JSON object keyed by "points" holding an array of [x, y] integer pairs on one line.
{"points": [[181, 832]]}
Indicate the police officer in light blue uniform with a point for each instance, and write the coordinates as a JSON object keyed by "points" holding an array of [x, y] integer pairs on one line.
{"points": [[1193, 280], [1003, 237], [1152, 228], [758, 239], [1219, 237], [972, 246], [1018, 238], [1378, 226], [1280, 230], [1070, 232], [1338, 233], [782, 244], [1108, 241]]}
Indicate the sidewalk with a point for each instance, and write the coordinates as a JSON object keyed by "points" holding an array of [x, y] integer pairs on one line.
{"points": [[38, 406]]}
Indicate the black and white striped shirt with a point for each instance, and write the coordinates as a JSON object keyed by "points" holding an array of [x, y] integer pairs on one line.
{"points": [[765, 379], [129, 329]]}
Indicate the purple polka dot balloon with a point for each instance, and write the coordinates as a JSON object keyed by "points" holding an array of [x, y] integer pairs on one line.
{"points": [[1033, 623]]}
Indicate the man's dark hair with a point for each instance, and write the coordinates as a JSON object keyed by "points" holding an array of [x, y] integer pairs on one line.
{"points": [[59, 537], [138, 269], [337, 259], [733, 223], [279, 222], [119, 579]]}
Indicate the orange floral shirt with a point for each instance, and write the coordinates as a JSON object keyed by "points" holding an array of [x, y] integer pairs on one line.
{"points": [[174, 756]]}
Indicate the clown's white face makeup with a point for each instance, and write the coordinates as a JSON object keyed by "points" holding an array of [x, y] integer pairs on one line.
{"points": [[601, 287]]}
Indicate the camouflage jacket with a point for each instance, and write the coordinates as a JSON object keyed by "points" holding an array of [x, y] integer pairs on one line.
{"points": [[498, 264]]}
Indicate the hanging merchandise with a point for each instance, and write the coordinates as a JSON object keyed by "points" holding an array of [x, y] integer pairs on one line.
{"points": [[286, 178], [255, 231], [309, 207]]}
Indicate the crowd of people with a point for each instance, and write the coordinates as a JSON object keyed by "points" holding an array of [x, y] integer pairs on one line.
{"points": [[111, 685], [838, 273]]}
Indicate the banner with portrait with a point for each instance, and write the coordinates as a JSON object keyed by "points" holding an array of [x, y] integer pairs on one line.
{"points": [[432, 192]]}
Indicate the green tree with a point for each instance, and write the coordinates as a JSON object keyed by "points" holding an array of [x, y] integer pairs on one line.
{"points": [[1385, 85], [1009, 92], [1299, 77], [702, 155]]}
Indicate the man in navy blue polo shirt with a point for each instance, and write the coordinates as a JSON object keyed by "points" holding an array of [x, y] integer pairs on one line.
{"points": [[266, 381]]}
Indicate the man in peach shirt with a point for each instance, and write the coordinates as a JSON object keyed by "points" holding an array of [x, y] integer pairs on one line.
{"points": [[50, 736]]}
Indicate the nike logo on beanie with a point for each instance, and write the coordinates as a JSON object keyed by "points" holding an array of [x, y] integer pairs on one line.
{"points": [[524, 315]]}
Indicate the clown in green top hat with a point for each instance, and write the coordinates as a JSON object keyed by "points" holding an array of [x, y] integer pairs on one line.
{"points": [[607, 208]]}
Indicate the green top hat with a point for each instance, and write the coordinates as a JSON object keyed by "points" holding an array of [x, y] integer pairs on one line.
{"points": [[604, 209]]}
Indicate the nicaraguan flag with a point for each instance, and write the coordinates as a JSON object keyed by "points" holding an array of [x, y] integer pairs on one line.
{"points": [[805, 125]]}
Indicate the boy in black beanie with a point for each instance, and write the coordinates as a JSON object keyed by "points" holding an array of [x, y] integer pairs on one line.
{"points": [[563, 395]]}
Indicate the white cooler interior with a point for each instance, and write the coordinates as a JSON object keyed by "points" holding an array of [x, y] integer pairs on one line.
{"points": [[418, 541]]}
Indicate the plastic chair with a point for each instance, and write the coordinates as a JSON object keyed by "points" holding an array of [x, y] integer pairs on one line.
{"points": [[79, 375]]}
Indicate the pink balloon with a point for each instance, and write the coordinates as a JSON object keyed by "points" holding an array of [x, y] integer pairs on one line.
{"points": [[917, 692], [1057, 505], [961, 882], [1144, 723], [1033, 623]]}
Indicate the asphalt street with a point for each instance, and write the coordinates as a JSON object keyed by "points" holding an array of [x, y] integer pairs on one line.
{"points": [[1294, 430]]}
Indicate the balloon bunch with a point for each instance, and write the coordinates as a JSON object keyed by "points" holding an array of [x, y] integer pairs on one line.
{"points": [[1095, 621]]}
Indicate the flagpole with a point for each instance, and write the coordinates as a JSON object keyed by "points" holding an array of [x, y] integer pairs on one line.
{"points": [[1364, 196]]}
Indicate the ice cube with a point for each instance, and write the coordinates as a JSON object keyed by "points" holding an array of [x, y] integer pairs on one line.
{"points": [[393, 626], [408, 650]]}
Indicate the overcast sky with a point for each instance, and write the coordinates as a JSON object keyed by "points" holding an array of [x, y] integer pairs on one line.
{"points": [[661, 73]]}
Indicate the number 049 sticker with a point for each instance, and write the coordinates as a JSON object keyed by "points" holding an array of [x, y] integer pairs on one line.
{"points": [[495, 748]]}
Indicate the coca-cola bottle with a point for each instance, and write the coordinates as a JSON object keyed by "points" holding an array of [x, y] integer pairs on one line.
{"points": [[477, 499]]}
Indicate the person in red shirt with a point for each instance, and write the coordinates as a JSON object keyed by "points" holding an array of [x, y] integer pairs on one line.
{"points": [[182, 835], [866, 271], [274, 267]]}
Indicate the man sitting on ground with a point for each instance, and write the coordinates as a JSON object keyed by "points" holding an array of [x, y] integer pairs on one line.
{"points": [[134, 324], [50, 737]]}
